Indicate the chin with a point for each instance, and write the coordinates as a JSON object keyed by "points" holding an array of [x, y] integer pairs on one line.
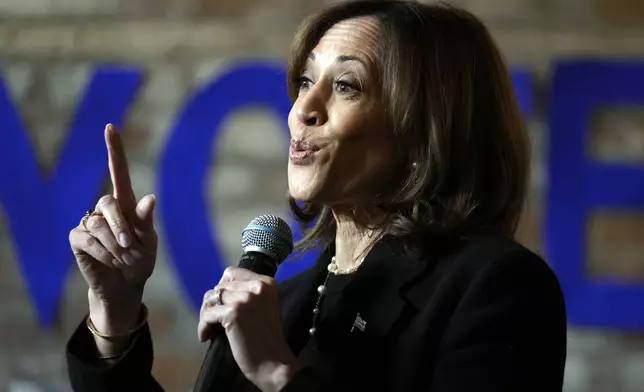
{"points": [[302, 193], [303, 185]]}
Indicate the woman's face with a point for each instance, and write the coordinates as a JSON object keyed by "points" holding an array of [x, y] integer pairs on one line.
{"points": [[341, 144]]}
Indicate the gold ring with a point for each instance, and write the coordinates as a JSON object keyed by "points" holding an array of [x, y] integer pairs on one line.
{"points": [[89, 213]]}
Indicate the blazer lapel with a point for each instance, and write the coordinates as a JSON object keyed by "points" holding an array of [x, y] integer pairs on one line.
{"points": [[377, 295], [359, 333], [375, 298], [352, 336]]}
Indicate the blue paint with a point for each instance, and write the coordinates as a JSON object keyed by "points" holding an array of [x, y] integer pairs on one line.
{"points": [[43, 207], [578, 185], [523, 90], [183, 187]]}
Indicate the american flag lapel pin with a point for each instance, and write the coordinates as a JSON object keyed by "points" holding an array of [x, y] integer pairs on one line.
{"points": [[359, 323]]}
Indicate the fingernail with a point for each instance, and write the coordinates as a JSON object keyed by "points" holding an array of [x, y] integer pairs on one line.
{"points": [[127, 258], [124, 239]]}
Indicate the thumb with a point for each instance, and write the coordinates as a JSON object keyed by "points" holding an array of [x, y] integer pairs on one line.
{"points": [[144, 212], [143, 222]]}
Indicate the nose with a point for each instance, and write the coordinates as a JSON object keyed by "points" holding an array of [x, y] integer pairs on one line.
{"points": [[310, 116]]}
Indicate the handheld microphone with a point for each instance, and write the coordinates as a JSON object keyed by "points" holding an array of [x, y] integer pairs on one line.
{"points": [[266, 242]]}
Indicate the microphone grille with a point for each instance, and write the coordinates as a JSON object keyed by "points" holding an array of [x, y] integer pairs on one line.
{"points": [[268, 234]]}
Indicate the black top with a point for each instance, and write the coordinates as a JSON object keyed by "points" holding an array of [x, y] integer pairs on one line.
{"points": [[486, 315], [335, 286]]}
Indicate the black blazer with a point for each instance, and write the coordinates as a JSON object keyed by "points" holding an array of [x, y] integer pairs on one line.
{"points": [[487, 315]]}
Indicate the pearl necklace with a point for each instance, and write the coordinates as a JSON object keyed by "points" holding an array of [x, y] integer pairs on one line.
{"points": [[333, 269]]}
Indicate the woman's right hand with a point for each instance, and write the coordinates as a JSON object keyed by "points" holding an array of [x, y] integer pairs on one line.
{"points": [[116, 249]]}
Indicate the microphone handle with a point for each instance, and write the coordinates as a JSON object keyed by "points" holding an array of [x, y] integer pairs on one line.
{"points": [[219, 369]]}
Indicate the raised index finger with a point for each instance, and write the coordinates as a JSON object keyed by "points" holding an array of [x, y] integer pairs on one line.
{"points": [[119, 171]]}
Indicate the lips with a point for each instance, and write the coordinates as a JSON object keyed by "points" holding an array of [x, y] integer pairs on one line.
{"points": [[303, 145], [302, 152]]}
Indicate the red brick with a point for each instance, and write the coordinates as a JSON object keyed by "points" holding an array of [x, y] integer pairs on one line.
{"points": [[616, 245], [620, 11]]}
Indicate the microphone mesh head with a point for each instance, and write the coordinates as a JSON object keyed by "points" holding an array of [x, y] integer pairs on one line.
{"points": [[270, 235]]}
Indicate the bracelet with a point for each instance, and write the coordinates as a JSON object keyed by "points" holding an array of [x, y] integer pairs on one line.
{"points": [[141, 324], [105, 357]]}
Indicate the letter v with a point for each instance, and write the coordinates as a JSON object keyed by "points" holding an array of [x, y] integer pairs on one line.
{"points": [[42, 209]]}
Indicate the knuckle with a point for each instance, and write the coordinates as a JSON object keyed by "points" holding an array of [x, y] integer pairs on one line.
{"points": [[229, 272], [265, 285], [258, 287], [95, 223], [105, 201], [246, 298], [209, 303], [73, 234], [242, 298], [89, 241]]}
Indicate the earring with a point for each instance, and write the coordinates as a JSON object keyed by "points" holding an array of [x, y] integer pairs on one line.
{"points": [[414, 210], [414, 164]]}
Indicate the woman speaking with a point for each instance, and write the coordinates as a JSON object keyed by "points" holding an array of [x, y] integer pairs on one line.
{"points": [[409, 158]]}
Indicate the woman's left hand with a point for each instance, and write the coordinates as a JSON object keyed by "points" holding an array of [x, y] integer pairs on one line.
{"points": [[249, 312]]}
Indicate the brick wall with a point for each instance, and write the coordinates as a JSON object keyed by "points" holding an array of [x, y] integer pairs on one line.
{"points": [[47, 48]]}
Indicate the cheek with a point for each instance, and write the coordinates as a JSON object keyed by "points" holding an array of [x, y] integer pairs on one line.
{"points": [[359, 136], [358, 120], [367, 148], [348, 125], [291, 120]]}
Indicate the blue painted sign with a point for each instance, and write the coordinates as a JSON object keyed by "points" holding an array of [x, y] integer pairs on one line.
{"points": [[185, 163], [43, 208], [579, 184]]}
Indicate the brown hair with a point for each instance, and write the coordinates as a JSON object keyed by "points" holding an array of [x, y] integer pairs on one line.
{"points": [[461, 144]]}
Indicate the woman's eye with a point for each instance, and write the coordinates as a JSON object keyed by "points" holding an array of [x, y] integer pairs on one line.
{"points": [[305, 83], [345, 88]]}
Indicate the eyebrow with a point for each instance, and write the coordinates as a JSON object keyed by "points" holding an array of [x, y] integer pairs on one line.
{"points": [[342, 59]]}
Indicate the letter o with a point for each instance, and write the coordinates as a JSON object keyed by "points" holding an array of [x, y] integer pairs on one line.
{"points": [[191, 239]]}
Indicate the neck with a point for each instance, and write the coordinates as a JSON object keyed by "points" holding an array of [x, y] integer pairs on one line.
{"points": [[352, 240]]}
